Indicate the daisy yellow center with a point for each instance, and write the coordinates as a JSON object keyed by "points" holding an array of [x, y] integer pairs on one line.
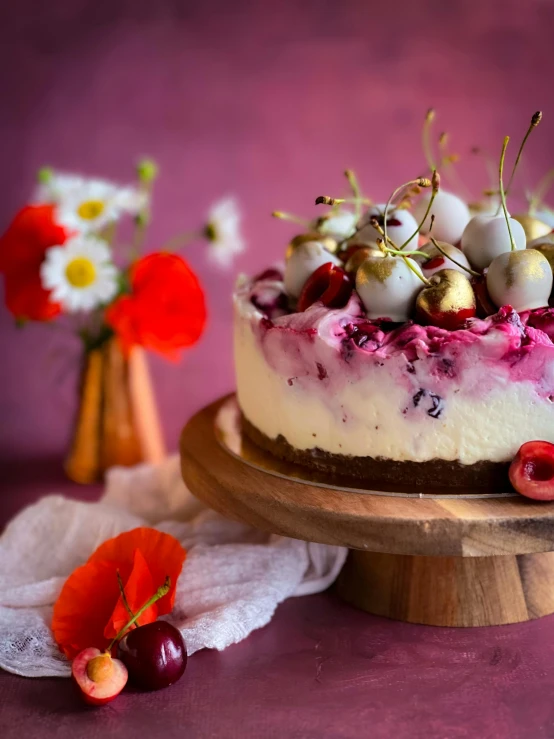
{"points": [[80, 272], [90, 209]]}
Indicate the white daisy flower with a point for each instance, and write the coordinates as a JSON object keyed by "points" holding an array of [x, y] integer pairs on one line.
{"points": [[54, 186], [340, 225], [88, 205], [80, 274], [223, 232]]}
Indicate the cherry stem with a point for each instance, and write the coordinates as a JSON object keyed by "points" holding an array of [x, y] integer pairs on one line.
{"points": [[420, 181], [490, 167], [399, 253], [124, 597], [328, 200], [503, 194], [290, 217], [436, 184], [541, 190], [448, 161], [160, 592], [390, 252], [356, 192], [535, 120], [445, 254], [414, 270], [426, 139]]}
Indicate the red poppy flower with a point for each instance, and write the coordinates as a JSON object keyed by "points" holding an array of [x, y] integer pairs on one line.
{"points": [[22, 249], [90, 611], [166, 310]]}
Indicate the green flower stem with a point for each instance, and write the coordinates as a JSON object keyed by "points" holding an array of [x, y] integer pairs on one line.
{"points": [[160, 592], [181, 240]]}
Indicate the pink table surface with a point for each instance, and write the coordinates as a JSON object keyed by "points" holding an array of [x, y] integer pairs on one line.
{"points": [[319, 669]]}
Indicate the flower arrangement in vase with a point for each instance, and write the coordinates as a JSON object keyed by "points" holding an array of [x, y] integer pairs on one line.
{"points": [[61, 256]]}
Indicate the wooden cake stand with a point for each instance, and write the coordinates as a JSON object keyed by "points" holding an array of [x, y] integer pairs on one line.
{"points": [[446, 561]]}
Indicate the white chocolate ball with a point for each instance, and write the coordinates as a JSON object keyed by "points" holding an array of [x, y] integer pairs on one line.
{"points": [[451, 216], [388, 288], [435, 256], [400, 226], [485, 237], [303, 262], [339, 225], [522, 279]]}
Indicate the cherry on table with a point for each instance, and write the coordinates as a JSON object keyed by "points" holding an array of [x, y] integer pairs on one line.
{"points": [[155, 655], [99, 677]]}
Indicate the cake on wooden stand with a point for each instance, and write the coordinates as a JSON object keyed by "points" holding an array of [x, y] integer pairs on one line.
{"points": [[410, 348]]}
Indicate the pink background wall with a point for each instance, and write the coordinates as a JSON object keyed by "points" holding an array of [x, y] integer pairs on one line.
{"points": [[269, 101]]}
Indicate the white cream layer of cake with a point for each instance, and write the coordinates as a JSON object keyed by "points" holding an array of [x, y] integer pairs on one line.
{"points": [[305, 386]]}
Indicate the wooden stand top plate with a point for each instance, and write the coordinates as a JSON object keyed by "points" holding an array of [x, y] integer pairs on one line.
{"points": [[439, 527]]}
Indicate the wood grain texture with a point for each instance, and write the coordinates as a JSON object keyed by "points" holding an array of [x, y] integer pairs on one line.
{"points": [[450, 591], [425, 527]]}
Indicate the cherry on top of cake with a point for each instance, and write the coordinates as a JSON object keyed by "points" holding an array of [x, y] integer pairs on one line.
{"points": [[421, 256]]}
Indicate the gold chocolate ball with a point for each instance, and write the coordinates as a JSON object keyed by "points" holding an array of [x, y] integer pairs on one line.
{"points": [[448, 301], [547, 250], [359, 256], [533, 228], [326, 241]]}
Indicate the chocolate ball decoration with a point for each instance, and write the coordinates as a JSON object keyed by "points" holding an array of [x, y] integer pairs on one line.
{"points": [[387, 287], [485, 237], [303, 262], [437, 261], [533, 227], [451, 216], [522, 279], [544, 245], [337, 225], [328, 242], [400, 226], [358, 257], [448, 302]]}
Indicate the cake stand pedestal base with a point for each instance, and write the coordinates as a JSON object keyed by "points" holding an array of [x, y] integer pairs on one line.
{"points": [[446, 561], [450, 591]]}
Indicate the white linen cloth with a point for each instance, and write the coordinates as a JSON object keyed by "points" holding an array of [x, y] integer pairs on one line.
{"points": [[232, 580]]}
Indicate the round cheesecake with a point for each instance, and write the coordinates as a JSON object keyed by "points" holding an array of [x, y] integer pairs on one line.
{"points": [[391, 403]]}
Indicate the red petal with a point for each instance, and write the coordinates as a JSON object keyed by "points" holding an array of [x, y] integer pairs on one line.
{"points": [[139, 588], [84, 607], [162, 553]]}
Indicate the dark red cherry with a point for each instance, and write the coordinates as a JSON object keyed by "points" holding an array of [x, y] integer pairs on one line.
{"points": [[433, 263], [272, 273], [329, 284], [485, 306], [532, 471], [155, 655], [350, 250]]}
